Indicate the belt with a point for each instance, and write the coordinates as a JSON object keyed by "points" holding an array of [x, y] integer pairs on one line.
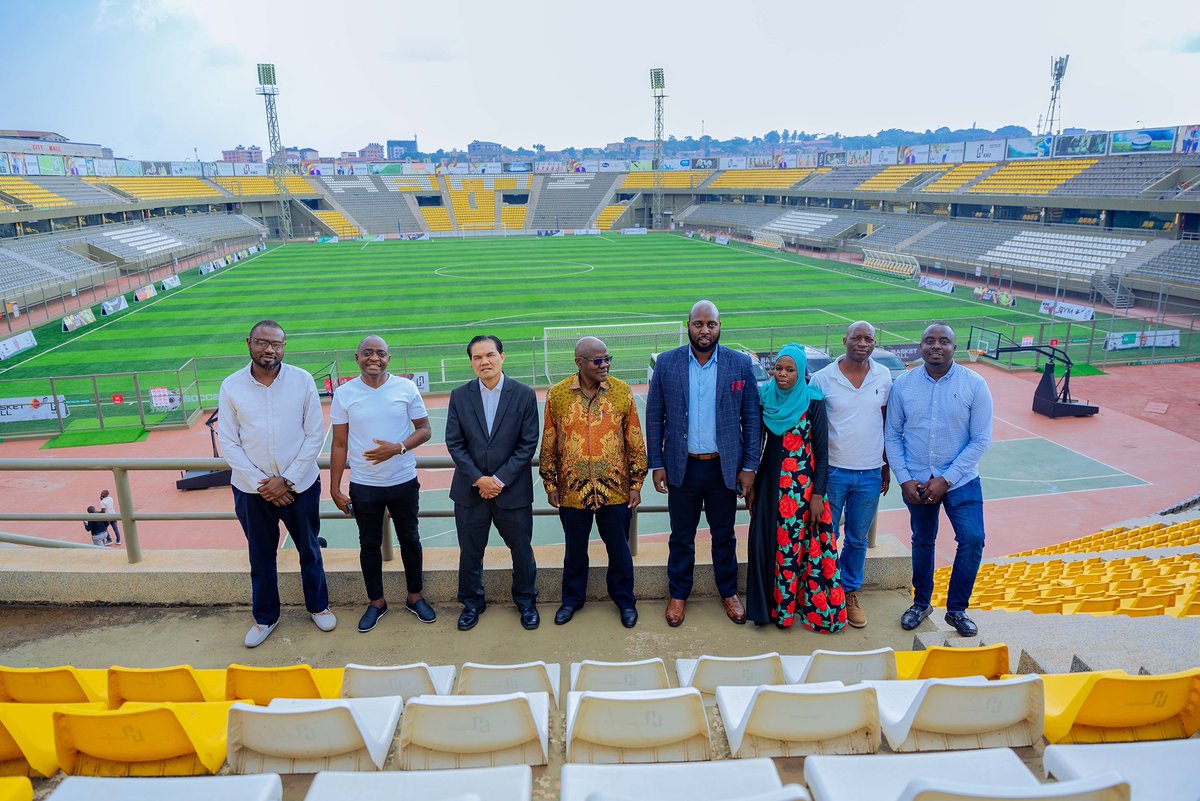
{"points": [[704, 457]]}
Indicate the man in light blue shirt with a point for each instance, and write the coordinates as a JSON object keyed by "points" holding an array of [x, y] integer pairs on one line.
{"points": [[702, 407], [939, 425]]}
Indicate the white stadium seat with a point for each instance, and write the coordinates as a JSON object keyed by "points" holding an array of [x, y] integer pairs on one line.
{"points": [[637, 726], [310, 735], [728, 780], [406, 681], [475, 731], [884, 777], [508, 783], [848, 667], [709, 672], [528, 677], [259, 787], [647, 674], [1166, 770], [801, 719]]}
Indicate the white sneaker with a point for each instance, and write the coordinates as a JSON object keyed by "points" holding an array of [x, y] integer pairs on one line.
{"points": [[325, 620], [258, 634]]}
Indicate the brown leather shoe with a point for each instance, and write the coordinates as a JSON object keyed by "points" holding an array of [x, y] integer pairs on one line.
{"points": [[675, 612], [734, 609]]}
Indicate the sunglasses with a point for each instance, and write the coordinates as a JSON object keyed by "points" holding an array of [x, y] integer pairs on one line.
{"points": [[600, 361]]}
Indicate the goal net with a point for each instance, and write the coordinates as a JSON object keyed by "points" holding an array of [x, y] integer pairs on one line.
{"points": [[629, 344]]}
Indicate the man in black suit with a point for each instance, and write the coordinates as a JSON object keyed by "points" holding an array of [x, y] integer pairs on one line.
{"points": [[492, 433]]}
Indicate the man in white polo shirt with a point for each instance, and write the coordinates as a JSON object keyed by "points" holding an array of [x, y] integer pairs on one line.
{"points": [[378, 418], [856, 395], [270, 432]]}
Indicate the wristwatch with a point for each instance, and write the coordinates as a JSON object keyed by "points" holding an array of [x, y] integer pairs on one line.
{"points": [[403, 449], [290, 485]]}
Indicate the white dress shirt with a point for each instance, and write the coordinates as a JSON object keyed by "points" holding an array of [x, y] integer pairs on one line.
{"points": [[274, 430], [491, 402]]}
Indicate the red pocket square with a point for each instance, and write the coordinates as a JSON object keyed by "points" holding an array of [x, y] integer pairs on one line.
{"points": [[737, 386]]}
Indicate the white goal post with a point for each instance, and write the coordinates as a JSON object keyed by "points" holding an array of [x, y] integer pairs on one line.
{"points": [[630, 345]]}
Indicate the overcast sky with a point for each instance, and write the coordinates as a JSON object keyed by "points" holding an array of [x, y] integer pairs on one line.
{"points": [[154, 79]]}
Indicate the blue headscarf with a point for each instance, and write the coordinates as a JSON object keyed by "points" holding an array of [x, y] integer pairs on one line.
{"points": [[781, 410]]}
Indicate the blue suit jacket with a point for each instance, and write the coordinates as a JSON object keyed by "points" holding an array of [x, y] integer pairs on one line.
{"points": [[739, 418]]}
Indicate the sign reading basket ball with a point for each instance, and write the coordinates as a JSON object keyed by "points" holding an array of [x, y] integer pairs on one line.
{"points": [[118, 398]]}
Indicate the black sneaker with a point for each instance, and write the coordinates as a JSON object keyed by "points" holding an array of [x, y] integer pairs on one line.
{"points": [[962, 624], [914, 615], [422, 610], [371, 617]]}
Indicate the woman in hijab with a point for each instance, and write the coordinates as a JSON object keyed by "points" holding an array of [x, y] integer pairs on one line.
{"points": [[792, 567]]}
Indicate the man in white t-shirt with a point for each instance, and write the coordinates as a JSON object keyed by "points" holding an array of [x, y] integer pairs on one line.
{"points": [[109, 508], [378, 418], [856, 394]]}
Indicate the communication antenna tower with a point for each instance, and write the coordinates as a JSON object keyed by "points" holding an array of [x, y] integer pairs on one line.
{"points": [[277, 163]]}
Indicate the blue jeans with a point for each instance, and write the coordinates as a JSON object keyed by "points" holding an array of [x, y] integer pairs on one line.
{"points": [[260, 521], [964, 507], [856, 493]]}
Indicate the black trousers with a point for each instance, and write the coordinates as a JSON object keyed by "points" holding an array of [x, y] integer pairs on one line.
{"points": [[703, 487], [613, 522], [402, 502], [516, 529]]}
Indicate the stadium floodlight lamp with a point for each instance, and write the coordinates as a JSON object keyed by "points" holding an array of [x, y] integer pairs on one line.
{"points": [[266, 80], [657, 80]]}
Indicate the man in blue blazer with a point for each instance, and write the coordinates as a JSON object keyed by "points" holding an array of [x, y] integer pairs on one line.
{"points": [[491, 434], [703, 434]]}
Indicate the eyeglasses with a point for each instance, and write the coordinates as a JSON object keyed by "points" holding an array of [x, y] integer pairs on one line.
{"points": [[367, 353], [263, 344], [600, 361]]}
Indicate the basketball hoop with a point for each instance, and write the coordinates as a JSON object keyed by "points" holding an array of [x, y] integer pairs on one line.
{"points": [[973, 354]]}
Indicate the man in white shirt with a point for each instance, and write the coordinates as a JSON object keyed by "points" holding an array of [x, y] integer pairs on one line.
{"points": [[109, 508], [856, 394], [378, 418], [270, 432]]}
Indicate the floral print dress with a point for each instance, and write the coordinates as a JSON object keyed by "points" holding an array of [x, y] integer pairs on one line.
{"points": [[793, 564]]}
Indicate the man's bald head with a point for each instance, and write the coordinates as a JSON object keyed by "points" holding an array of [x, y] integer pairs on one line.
{"points": [[373, 342], [850, 329], [587, 347], [704, 307]]}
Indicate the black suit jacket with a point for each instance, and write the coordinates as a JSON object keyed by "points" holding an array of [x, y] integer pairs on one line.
{"points": [[507, 454]]}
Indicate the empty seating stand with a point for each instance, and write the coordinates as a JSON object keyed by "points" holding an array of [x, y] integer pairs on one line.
{"points": [[733, 215], [373, 202], [570, 200]]}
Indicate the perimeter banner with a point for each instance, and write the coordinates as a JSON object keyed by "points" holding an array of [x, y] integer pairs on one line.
{"points": [[14, 345], [937, 284], [1029, 147], [912, 154], [991, 150], [115, 305], [1067, 311], [947, 153], [1117, 340], [1145, 140], [78, 320], [1093, 144], [41, 407]]}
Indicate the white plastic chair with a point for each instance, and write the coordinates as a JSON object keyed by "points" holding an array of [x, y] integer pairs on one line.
{"points": [[709, 672], [472, 731], [848, 667], [309, 735], [1164, 770], [969, 712], [798, 720], [406, 681], [637, 726], [259, 787], [528, 677], [726, 780], [884, 777], [647, 674], [508, 783], [1101, 787]]}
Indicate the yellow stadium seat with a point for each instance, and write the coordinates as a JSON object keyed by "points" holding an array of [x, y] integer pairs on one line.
{"points": [[27, 738], [1113, 706], [264, 684], [56, 685], [16, 788], [180, 683], [939, 662], [1044, 607], [1091, 606], [143, 740]]}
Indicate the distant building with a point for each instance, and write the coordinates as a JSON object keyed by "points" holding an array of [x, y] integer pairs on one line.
{"points": [[346, 155], [484, 151], [243, 155], [401, 149], [372, 152], [39, 136]]}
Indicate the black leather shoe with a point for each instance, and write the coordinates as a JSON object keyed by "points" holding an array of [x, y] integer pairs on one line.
{"points": [[468, 619], [628, 618], [562, 616], [962, 624], [371, 617], [530, 619], [914, 615], [422, 610]]}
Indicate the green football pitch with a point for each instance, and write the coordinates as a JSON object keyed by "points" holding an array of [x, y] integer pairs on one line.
{"points": [[428, 298]]}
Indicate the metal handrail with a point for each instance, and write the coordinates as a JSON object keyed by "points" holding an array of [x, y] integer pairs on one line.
{"points": [[129, 516]]}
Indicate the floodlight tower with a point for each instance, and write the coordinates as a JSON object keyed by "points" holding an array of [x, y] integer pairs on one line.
{"points": [[277, 163], [1058, 69], [658, 87]]}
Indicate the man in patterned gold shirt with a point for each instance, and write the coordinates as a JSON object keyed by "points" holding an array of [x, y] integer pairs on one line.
{"points": [[593, 463]]}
